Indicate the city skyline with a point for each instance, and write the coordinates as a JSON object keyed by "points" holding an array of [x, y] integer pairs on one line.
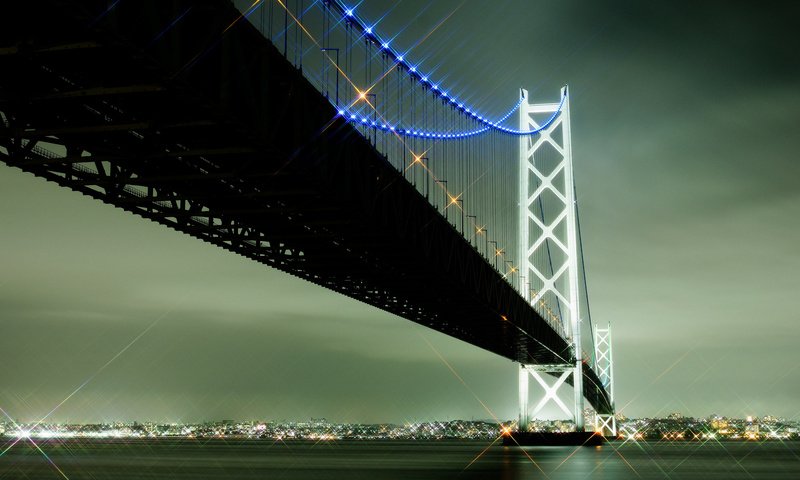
{"points": [[673, 427], [687, 201]]}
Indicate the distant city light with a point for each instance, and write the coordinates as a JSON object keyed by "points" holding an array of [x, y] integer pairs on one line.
{"points": [[672, 428]]}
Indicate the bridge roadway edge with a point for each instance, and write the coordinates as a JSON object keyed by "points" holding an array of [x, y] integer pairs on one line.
{"points": [[294, 179]]}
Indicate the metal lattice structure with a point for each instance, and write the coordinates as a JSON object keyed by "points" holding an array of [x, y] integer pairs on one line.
{"points": [[548, 241], [604, 361], [604, 366]]}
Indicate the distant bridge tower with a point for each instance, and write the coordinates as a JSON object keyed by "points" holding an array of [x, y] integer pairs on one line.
{"points": [[604, 366], [548, 247]]}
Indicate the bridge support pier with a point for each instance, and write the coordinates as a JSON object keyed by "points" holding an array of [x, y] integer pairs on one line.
{"points": [[550, 392], [543, 374]]}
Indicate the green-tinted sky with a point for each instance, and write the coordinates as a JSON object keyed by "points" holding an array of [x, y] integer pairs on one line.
{"points": [[685, 136]]}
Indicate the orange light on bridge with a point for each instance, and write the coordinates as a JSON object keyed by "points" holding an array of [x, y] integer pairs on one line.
{"points": [[454, 199]]}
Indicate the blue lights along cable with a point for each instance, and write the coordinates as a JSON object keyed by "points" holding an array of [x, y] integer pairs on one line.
{"points": [[410, 132], [349, 15]]}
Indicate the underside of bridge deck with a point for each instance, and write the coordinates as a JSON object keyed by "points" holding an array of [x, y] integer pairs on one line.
{"points": [[204, 127]]}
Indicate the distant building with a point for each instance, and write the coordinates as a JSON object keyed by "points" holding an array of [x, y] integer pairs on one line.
{"points": [[720, 424], [751, 428]]}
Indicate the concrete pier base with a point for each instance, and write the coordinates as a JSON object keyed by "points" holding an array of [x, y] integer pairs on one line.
{"points": [[588, 439]]}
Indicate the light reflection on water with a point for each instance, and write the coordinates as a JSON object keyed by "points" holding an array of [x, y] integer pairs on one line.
{"points": [[217, 459]]}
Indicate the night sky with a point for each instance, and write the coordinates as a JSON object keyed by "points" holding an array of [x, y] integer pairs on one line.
{"points": [[685, 138]]}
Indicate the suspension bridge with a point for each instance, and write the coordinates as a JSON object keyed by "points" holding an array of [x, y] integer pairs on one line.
{"points": [[294, 133]]}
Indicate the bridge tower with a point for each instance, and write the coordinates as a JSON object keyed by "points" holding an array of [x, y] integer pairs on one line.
{"points": [[604, 366], [548, 247]]}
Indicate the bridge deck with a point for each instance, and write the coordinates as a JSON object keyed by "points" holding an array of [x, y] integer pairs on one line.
{"points": [[216, 135]]}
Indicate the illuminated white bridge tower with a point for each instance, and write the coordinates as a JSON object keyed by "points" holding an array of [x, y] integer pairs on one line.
{"points": [[604, 366], [548, 246]]}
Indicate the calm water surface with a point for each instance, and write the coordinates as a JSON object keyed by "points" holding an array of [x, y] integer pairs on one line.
{"points": [[194, 459]]}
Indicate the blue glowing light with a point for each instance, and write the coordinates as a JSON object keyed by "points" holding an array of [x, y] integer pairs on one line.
{"points": [[349, 15]]}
